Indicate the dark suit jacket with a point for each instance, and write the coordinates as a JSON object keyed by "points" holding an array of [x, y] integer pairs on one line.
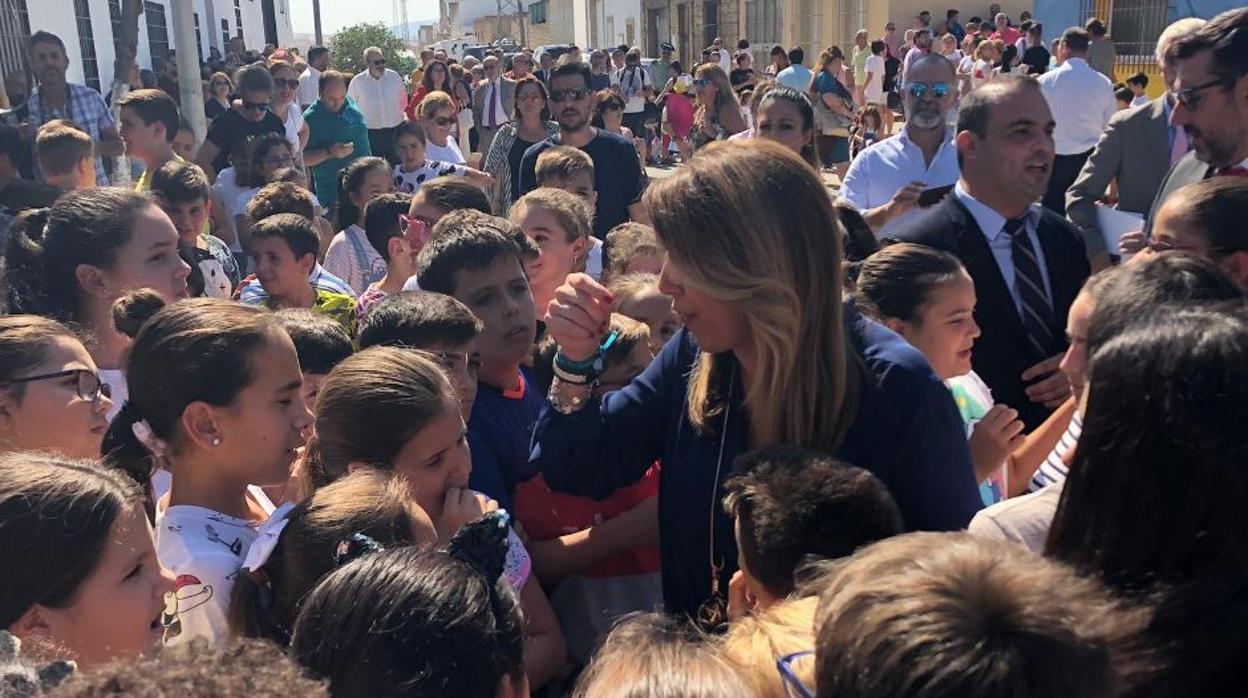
{"points": [[1002, 352], [1187, 171], [1135, 150]]}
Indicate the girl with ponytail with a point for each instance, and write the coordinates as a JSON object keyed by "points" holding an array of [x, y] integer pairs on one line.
{"points": [[70, 262], [215, 404], [351, 257], [412, 592]]}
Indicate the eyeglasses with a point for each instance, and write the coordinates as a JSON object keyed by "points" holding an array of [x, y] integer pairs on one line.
{"points": [[443, 121], [793, 686], [87, 384], [290, 83], [279, 161], [1189, 98], [255, 106], [701, 82], [379, 62], [574, 95], [222, 83], [918, 89]]}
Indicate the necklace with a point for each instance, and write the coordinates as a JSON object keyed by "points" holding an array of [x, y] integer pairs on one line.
{"points": [[714, 611]]}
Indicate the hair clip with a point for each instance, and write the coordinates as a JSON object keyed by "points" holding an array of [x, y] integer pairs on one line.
{"points": [[267, 537], [354, 546], [143, 432], [482, 544]]}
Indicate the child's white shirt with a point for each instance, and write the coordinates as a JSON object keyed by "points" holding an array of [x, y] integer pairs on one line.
{"points": [[409, 182]]}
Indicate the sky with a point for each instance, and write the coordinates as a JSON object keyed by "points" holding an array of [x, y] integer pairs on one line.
{"points": [[336, 14]]}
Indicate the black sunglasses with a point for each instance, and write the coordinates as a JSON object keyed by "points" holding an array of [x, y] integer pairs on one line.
{"points": [[287, 82], [379, 61], [574, 94], [87, 384], [255, 106]]}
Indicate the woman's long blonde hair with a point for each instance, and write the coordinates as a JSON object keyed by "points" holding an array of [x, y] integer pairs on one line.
{"points": [[755, 642], [724, 95], [750, 223]]}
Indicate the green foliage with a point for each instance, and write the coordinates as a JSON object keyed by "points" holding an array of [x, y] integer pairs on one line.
{"points": [[347, 49]]}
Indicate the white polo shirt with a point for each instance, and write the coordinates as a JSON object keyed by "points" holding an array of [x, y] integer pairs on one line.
{"points": [[878, 172], [309, 87], [381, 100], [1081, 100]]}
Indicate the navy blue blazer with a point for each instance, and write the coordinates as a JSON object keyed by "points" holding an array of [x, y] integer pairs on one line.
{"points": [[1002, 352], [907, 431]]}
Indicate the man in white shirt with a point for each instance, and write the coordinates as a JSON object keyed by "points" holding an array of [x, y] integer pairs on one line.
{"points": [[1082, 100], [310, 79], [720, 54], [886, 181], [796, 75], [493, 102], [381, 95]]}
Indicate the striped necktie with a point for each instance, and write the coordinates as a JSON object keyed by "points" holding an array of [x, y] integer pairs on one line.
{"points": [[1029, 284]]}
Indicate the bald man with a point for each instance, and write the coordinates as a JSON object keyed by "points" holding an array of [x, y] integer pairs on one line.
{"points": [[380, 94]]}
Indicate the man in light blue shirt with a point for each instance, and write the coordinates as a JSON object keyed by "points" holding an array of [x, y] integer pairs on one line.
{"points": [[796, 75]]}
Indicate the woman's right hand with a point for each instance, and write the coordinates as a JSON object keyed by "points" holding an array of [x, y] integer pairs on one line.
{"points": [[579, 316]]}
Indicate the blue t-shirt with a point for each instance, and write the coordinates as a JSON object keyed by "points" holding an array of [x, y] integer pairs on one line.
{"points": [[796, 76], [499, 431]]}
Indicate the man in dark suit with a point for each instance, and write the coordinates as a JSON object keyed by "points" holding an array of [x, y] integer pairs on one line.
{"points": [[1211, 102], [1027, 262]]}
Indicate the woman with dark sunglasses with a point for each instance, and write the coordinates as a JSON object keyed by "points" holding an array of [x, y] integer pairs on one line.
{"points": [[285, 91], [251, 116], [51, 396], [219, 89]]}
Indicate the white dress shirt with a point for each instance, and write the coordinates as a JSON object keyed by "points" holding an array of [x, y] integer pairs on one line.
{"points": [[382, 100], [993, 226], [309, 87], [1082, 100], [885, 167], [725, 60]]}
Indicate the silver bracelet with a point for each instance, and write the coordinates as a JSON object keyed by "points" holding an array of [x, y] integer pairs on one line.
{"points": [[568, 398]]}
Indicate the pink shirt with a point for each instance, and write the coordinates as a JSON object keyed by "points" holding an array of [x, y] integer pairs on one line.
{"points": [[680, 114]]}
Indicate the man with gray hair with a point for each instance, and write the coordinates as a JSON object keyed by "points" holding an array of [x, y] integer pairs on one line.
{"points": [[493, 102], [380, 94], [1137, 148]]}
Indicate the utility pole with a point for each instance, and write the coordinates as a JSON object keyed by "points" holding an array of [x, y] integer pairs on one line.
{"points": [[316, 21], [189, 89]]}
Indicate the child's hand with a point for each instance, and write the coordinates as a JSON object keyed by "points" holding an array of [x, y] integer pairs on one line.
{"points": [[482, 179], [993, 438], [462, 506], [579, 316]]}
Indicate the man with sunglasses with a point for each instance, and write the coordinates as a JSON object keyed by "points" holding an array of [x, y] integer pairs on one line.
{"points": [[380, 94], [887, 181], [618, 177], [1082, 101], [250, 117], [1210, 95]]}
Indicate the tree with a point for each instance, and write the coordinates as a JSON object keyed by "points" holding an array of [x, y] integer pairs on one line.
{"points": [[347, 48]]}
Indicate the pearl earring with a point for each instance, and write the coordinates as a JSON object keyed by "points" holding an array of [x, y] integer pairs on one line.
{"points": [[216, 441]]}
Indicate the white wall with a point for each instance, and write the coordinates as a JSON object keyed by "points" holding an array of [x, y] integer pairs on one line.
{"points": [[612, 22], [57, 16]]}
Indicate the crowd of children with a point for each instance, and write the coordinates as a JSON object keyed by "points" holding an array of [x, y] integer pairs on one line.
{"points": [[739, 450]]}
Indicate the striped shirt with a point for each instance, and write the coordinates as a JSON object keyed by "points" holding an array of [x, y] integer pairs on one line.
{"points": [[1054, 469], [85, 107], [252, 293]]}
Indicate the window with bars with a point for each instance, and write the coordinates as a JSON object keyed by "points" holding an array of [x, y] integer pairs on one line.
{"points": [[157, 33], [762, 21], [1134, 26], [225, 32], [14, 33], [86, 43], [710, 21], [238, 18], [537, 12], [114, 17], [199, 39]]}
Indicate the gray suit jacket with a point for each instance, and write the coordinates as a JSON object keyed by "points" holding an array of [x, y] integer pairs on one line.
{"points": [[1187, 171], [1135, 149], [481, 91]]}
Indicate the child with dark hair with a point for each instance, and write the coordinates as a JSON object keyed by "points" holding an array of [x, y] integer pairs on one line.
{"points": [[414, 169], [435, 323], [794, 506], [1138, 85], [442, 196], [631, 248], [183, 192], [350, 256], [480, 260], [397, 241], [284, 249], [149, 122], [320, 343], [479, 655]]}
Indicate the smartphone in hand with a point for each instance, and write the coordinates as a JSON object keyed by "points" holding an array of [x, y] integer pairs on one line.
{"points": [[934, 196]]}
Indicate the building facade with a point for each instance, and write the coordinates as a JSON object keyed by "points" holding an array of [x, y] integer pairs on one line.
{"points": [[88, 26]]}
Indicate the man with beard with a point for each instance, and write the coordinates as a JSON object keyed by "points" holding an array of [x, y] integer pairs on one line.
{"points": [[1027, 262], [618, 177], [885, 182], [54, 98], [1211, 103]]}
